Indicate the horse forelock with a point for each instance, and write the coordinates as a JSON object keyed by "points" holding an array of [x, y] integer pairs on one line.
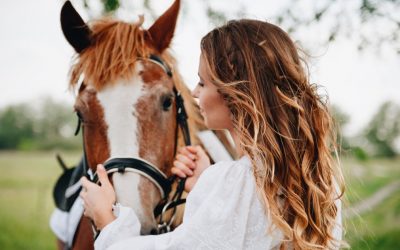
{"points": [[115, 48]]}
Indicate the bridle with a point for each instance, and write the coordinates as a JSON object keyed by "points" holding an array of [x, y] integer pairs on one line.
{"points": [[148, 170]]}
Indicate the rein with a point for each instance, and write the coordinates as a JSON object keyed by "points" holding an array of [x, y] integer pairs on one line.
{"points": [[148, 170]]}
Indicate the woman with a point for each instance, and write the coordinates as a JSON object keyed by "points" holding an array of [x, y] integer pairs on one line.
{"points": [[284, 192]]}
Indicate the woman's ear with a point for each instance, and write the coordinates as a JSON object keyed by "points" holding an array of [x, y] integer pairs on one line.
{"points": [[74, 28]]}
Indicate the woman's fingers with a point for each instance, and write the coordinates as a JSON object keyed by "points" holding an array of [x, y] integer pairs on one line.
{"points": [[82, 194], [86, 184], [190, 162], [181, 166], [103, 176], [192, 149], [178, 172], [201, 153], [186, 160], [186, 152], [197, 151]]}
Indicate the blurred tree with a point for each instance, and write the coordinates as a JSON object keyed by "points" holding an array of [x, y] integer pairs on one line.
{"points": [[15, 126], [340, 119], [383, 130], [348, 145], [110, 5], [53, 118], [373, 23], [45, 125]]}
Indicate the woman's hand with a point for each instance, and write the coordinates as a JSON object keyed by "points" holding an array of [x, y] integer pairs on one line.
{"points": [[98, 200], [190, 162]]}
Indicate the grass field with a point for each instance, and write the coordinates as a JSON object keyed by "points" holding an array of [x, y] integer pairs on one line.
{"points": [[26, 202], [26, 182], [380, 227]]}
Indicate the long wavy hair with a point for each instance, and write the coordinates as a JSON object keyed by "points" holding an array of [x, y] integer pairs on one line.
{"points": [[284, 126]]}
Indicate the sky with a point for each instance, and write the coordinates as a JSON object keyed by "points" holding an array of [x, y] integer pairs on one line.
{"points": [[35, 57]]}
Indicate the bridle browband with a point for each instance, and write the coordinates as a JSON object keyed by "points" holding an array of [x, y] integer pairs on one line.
{"points": [[145, 168]]}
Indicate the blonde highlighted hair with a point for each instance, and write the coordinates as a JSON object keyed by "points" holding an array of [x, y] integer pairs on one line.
{"points": [[284, 126]]}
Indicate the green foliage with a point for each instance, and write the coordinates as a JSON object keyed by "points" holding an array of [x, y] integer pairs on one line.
{"points": [[46, 125], [15, 125], [110, 5], [364, 178], [340, 119], [349, 18], [217, 17], [377, 228], [383, 130], [359, 153], [379, 137]]}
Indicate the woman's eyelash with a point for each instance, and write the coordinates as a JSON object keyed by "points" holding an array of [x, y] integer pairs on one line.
{"points": [[201, 84]]}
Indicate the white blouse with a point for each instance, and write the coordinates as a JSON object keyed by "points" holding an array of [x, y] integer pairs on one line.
{"points": [[222, 211]]}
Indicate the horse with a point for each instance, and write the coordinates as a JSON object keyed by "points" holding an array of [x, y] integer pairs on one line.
{"points": [[128, 91]]}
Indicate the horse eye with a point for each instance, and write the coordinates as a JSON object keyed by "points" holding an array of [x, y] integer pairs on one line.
{"points": [[167, 102]]}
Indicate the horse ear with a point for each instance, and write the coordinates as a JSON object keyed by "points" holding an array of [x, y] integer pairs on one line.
{"points": [[162, 31], [74, 28]]}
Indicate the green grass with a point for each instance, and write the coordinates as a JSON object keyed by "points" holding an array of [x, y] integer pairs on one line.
{"points": [[365, 178], [27, 178], [26, 182], [380, 227]]}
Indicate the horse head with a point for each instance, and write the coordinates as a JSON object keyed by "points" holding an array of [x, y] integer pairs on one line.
{"points": [[127, 100]]}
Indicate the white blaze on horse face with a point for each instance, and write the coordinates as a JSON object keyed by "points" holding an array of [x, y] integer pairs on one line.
{"points": [[119, 101], [126, 187]]}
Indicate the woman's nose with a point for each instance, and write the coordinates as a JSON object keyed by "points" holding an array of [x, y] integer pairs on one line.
{"points": [[195, 91]]}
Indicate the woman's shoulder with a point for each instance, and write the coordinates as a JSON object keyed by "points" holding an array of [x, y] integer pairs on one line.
{"points": [[240, 166], [221, 172], [225, 182], [221, 176]]}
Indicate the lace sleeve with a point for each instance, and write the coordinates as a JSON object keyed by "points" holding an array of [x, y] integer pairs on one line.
{"points": [[126, 225], [222, 212]]}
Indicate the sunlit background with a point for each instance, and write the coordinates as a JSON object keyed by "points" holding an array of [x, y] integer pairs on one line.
{"points": [[353, 53]]}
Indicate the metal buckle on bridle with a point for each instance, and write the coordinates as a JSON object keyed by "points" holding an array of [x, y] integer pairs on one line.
{"points": [[164, 226]]}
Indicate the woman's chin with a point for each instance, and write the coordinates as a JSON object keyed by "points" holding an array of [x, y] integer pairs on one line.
{"points": [[206, 123]]}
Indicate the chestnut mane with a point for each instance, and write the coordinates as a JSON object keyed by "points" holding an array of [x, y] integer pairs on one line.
{"points": [[115, 47]]}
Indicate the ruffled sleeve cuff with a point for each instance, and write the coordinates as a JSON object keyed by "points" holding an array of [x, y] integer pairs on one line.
{"points": [[124, 226]]}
